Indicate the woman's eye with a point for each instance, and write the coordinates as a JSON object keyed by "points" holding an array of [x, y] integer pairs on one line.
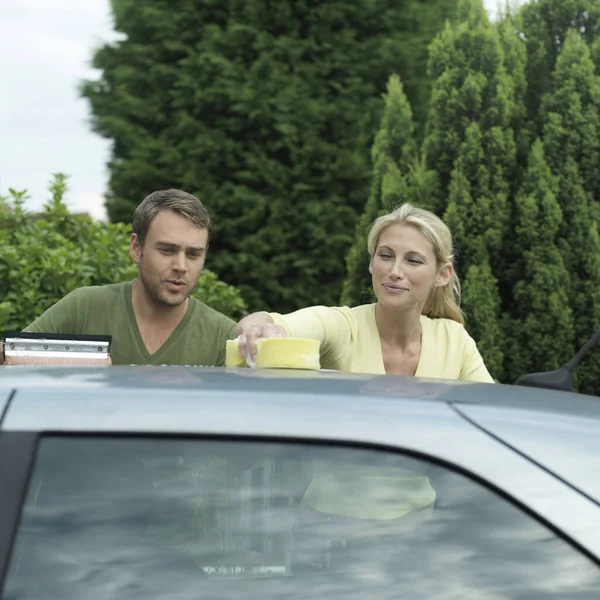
{"points": [[415, 261]]}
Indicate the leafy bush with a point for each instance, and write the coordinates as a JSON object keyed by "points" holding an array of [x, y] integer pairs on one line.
{"points": [[45, 256]]}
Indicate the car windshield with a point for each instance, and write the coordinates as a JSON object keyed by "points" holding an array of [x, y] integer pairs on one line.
{"points": [[187, 518]]}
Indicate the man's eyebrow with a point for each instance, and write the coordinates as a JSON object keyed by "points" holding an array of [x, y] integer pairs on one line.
{"points": [[177, 246]]}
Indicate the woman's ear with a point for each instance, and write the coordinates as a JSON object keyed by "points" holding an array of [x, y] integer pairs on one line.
{"points": [[444, 275]]}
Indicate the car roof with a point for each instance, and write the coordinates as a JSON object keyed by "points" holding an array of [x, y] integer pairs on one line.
{"points": [[330, 383]]}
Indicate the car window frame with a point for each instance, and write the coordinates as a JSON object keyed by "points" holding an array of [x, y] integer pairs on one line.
{"points": [[25, 445], [18, 451]]}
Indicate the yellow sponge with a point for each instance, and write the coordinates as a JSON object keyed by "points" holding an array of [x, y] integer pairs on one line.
{"points": [[233, 358], [278, 353]]}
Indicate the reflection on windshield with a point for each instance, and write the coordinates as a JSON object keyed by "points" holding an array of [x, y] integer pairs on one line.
{"points": [[188, 519]]}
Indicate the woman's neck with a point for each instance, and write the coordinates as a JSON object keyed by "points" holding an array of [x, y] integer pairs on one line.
{"points": [[396, 328]]}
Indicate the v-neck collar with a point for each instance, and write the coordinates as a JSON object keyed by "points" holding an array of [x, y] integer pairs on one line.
{"points": [[169, 342], [423, 319]]}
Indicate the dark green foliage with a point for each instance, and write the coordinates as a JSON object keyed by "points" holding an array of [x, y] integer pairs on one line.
{"points": [[542, 327], [571, 113], [515, 63], [470, 85], [482, 306], [512, 146], [393, 149], [266, 110], [544, 25], [470, 143], [44, 257], [571, 129]]}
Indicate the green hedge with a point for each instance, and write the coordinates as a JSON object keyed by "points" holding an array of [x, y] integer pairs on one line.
{"points": [[45, 256]]}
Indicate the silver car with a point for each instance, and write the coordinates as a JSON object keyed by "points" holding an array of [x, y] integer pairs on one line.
{"points": [[194, 483]]}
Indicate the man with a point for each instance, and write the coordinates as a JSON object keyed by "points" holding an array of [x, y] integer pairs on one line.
{"points": [[153, 320]]}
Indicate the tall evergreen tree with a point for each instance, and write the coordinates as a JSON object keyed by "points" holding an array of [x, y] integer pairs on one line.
{"points": [[514, 49], [470, 142], [423, 20], [481, 304], [470, 216], [574, 105], [571, 118], [470, 86], [392, 152], [545, 24], [266, 110], [542, 331]]}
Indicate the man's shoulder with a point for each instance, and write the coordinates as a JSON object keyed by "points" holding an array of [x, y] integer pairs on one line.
{"points": [[81, 306], [207, 316], [99, 293]]}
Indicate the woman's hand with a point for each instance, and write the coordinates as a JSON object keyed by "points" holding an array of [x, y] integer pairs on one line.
{"points": [[256, 332], [254, 327]]}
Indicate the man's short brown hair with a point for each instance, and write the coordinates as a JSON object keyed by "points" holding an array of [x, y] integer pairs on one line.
{"points": [[178, 201]]}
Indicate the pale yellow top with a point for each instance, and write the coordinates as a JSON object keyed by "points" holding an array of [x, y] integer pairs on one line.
{"points": [[350, 342]]}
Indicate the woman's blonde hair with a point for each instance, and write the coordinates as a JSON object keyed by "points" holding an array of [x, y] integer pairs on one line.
{"points": [[443, 302]]}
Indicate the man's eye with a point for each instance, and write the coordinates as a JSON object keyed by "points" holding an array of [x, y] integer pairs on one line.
{"points": [[167, 250]]}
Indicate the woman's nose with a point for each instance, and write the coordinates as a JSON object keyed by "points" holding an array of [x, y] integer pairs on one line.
{"points": [[397, 271]]}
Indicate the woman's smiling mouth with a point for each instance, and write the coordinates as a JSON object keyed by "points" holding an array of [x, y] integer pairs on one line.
{"points": [[395, 287]]}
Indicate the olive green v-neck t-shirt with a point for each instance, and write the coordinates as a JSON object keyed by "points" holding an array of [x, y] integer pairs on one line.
{"points": [[199, 339]]}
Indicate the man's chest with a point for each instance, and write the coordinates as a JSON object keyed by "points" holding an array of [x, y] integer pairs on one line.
{"points": [[137, 344], [154, 338]]}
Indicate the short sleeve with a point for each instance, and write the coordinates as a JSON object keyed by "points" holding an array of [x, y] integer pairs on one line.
{"points": [[473, 368], [61, 317], [328, 325]]}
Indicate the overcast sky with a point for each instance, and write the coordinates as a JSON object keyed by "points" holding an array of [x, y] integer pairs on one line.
{"points": [[46, 48]]}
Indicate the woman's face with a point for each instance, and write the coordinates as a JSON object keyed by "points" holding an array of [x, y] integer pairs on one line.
{"points": [[404, 268]]}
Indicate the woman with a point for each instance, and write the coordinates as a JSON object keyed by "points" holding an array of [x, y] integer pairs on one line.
{"points": [[415, 328], [416, 325]]}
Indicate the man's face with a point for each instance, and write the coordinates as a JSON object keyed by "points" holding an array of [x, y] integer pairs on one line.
{"points": [[171, 259]]}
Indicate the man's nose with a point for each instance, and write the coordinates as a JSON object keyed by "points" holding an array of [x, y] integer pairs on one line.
{"points": [[179, 262]]}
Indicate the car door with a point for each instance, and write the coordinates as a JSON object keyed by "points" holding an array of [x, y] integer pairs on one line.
{"points": [[133, 515]]}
